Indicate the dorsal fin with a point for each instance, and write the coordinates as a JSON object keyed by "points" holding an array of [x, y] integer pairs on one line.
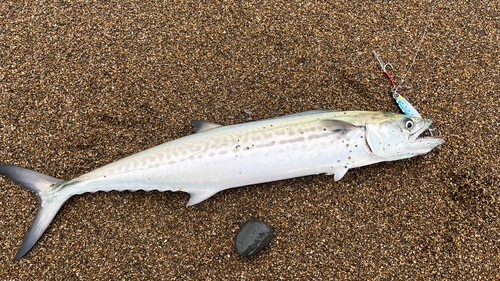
{"points": [[201, 126]]}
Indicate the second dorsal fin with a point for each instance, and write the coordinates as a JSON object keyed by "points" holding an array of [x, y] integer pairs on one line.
{"points": [[201, 126]]}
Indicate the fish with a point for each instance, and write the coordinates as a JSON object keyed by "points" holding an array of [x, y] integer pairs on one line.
{"points": [[218, 157]]}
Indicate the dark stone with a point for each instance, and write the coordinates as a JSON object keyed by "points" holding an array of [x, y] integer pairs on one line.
{"points": [[253, 236]]}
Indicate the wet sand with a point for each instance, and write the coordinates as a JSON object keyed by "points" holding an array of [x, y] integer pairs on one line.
{"points": [[84, 83]]}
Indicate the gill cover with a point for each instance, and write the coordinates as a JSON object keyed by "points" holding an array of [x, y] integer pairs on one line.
{"points": [[396, 136]]}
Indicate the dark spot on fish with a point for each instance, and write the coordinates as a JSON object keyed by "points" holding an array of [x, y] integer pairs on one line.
{"points": [[248, 148], [349, 157], [324, 129]]}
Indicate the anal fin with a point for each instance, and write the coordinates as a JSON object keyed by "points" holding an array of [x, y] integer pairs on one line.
{"points": [[200, 195]]}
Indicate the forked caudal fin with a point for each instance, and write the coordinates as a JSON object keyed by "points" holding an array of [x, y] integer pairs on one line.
{"points": [[49, 204]]}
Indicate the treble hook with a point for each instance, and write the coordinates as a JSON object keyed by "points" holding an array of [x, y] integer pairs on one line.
{"points": [[380, 61], [388, 64], [384, 69], [403, 104]]}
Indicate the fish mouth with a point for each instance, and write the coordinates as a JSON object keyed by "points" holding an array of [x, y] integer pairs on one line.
{"points": [[426, 135]]}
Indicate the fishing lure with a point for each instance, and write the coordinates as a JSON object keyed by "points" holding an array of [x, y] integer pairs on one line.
{"points": [[403, 103]]}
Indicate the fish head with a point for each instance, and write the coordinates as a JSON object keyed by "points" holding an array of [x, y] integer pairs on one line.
{"points": [[396, 136]]}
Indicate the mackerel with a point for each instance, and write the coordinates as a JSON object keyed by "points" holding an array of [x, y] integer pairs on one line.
{"points": [[220, 157]]}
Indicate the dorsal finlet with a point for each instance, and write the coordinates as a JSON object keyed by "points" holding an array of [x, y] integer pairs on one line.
{"points": [[201, 126]]}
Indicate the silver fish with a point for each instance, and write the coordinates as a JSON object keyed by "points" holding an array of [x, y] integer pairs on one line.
{"points": [[220, 157]]}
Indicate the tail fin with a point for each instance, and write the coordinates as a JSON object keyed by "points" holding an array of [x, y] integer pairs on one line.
{"points": [[49, 204]]}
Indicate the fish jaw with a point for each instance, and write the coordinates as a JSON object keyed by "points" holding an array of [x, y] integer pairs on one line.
{"points": [[423, 144]]}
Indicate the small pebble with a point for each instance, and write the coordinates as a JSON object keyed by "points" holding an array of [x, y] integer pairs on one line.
{"points": [[253, 236]]}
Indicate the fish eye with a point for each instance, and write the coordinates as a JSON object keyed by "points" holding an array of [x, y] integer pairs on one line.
{"points": [[408, 124]]}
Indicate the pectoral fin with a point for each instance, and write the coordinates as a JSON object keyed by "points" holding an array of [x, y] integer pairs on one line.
{"points": [[337, 125], [338, 173]]}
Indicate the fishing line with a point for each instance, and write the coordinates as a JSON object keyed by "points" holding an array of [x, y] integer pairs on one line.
{"points": [[418, 47], [395, 88]]}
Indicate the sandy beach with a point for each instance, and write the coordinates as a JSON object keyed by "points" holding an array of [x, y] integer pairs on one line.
{"points": [[85, 83]]}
